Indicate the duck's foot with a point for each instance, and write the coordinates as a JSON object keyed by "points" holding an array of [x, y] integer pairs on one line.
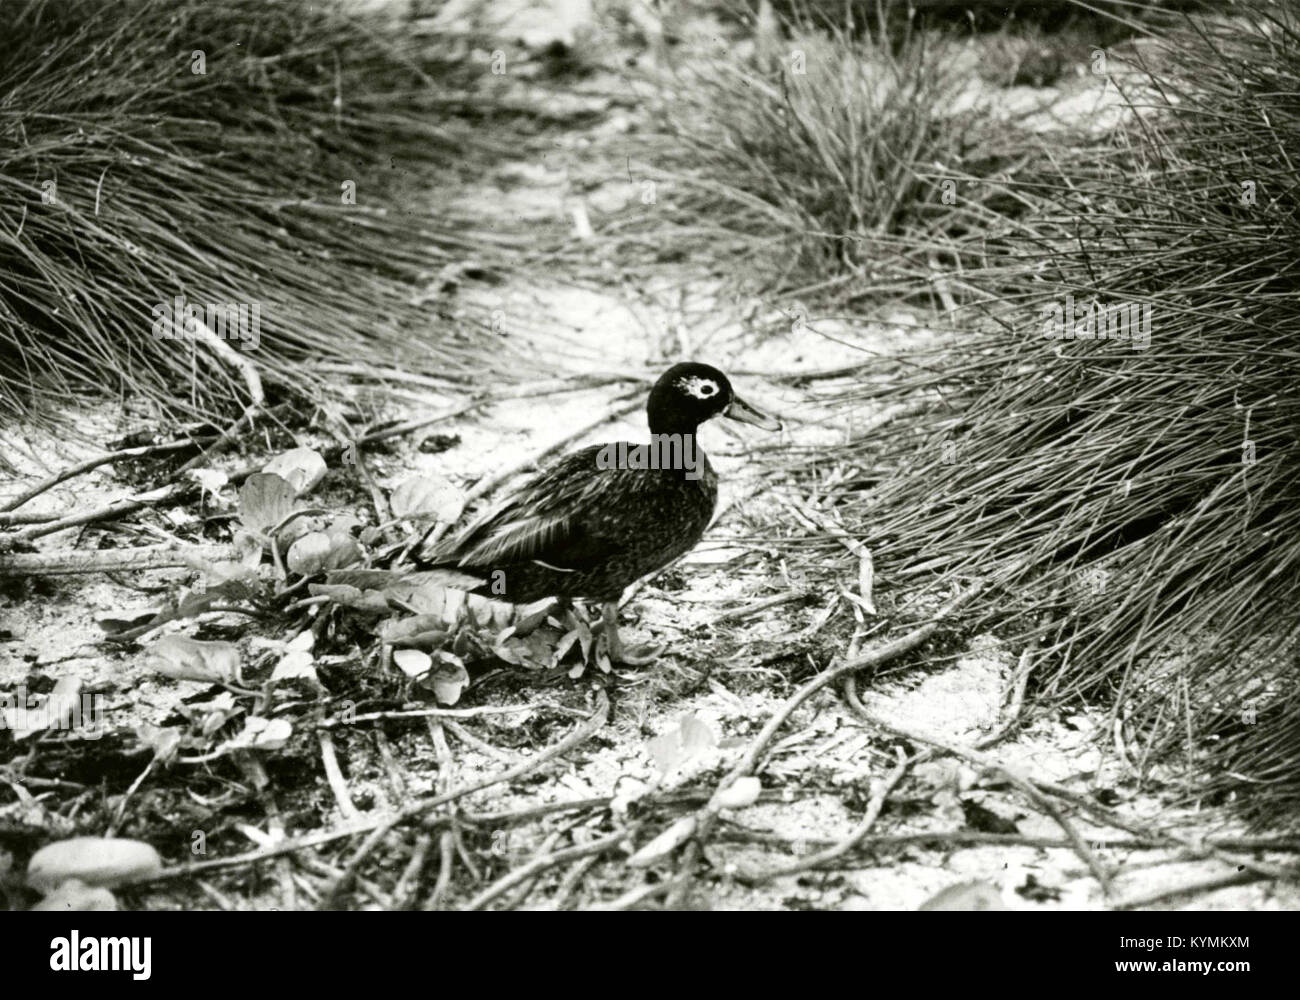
{"points": [[636, 656]]}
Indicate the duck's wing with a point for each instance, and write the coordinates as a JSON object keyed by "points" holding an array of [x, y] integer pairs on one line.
{"points": [[561, 517]]}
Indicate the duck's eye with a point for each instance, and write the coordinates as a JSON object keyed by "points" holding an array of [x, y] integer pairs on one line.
{"points": [[700, 388]]}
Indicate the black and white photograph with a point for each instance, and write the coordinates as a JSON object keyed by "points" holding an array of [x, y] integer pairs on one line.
{"points": [[650, 455]]}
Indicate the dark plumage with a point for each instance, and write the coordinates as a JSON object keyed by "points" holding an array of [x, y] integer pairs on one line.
{"points": [[600, 518]]}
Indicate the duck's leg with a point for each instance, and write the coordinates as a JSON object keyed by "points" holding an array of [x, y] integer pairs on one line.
{"points": [[617, 651]]}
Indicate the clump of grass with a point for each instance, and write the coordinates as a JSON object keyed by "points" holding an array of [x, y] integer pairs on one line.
{"points": [[1141, 496], [813, 155], [128, 177]]}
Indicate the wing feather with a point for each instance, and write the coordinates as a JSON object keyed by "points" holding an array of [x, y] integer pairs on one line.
{"points": [[556, 518]]}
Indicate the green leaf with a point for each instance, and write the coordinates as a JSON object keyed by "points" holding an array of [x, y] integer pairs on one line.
{"points": [[164, 741], [265, 500], [689, 738], [427, 498], [194, 660], [412, 662], [449, 679], [301, 468], [261, 734], [351, 597], [416, 632], [308, 554]]}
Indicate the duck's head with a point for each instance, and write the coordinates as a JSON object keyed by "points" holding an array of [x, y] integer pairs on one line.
{"points": [[690, 393]]}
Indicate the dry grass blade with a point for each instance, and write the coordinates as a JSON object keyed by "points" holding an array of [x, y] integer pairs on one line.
{"points": [[239, 156]]}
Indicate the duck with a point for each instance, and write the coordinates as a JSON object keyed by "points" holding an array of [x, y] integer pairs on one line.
{"points": [[594, 521]]}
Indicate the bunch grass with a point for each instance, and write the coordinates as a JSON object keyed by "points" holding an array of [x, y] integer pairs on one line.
{"points": [[813, 157], [1145, 501], [127, 178]]}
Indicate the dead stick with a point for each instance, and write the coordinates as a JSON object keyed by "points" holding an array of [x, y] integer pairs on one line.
{"points": [[570, 883], [17, 517], [633, 897], [334, 775], [383, 434], [332, 897], [522, 892], [71, 472], [404, 890], [80, 561], [761, 605], [174, 492], [445, 713], [446, 862], [112, 511], [1202, 883], [975, 838], [1019, 683]]}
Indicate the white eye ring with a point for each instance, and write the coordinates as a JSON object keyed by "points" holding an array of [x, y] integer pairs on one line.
{"points": [[700, 388]]}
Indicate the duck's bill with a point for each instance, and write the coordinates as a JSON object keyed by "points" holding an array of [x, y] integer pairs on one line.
{"points": [[738, 409]]}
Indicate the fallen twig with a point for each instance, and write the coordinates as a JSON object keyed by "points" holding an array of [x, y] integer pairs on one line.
{"points": [[819, 521], [65, 561], [633, 898], [978, 838], [446, 862], [570, 883], [1021, 782], [1192, 886], [116, 509], [761, 605], [334, 775], [142, 451], [469, 739], [1019, 682], [252, 382], [444, 713], [404, 892], [332, 898]]}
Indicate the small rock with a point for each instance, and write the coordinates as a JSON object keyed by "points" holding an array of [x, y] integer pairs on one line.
{"points": [[96, 861], [75, 895]]}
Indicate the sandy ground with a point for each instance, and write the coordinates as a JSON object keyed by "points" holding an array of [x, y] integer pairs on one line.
{"points": [[730, 676]]}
